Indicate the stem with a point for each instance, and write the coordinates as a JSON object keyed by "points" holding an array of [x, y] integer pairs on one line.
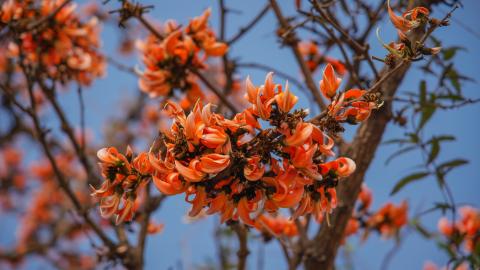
{"points": [[243, 251]]}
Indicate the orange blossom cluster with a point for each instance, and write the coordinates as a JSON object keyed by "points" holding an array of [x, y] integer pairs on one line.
{"points": [[265, 158], [170, 60], [465, 231], [54, 40]]}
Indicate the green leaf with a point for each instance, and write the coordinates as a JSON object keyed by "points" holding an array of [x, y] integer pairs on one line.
{"points": [[399, 153], [452, 97], [449, 53], [441, 138], [399, 141], [450, 165], [420, 229], [423, 93], [427, 112], [408, 179], [434, 151], [454, 78]]}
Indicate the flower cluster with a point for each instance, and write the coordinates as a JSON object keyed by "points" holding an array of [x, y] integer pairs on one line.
{"points": [[169, 61], [125, 175], [54, 39], [265, 158], [313, 58], [465, 231], [278, 226], [12, 176], [411, 19], [432, 266], [387, 221], [352, 106]]}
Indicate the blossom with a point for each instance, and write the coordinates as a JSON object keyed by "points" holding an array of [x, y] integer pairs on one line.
{"points": [[237, 168], [313, 58], [66, 47], [254, 169], [277, 226], [389, 219], [123, 174], [169, 60], [409, 20], [286, 100], [301, 134], [169, 184], [330, 82], [463, 231], [192, 172], [214, 163]]}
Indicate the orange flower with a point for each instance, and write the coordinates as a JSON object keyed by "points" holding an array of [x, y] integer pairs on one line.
{"points": [[193, 172], [286, 100], [194, 125], [404, 24], [215, 137], [346, 167], [142, 164], [216, 48], [111, 156], [325, 143], [302, 158], [109, 205], [389, 219], [352, 228], [154, 228], [254, 169], [199, 23], [301, 134], [445, 227], [198, 202], [261, 97], [214, 163], [169, 184], [329, 83], [217, 204], [126, 213], [154, 83], [353, 94], [244, 208], [415, 12], [365, 197], [277, 226]]}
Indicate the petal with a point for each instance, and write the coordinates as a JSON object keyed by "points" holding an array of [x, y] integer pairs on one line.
{"points": [[302, 133]]}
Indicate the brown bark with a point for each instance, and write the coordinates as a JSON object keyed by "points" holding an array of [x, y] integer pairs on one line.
{"points": [[323, 248]]}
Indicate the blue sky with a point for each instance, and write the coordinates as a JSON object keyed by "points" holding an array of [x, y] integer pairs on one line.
{"points": [[187, 245]]}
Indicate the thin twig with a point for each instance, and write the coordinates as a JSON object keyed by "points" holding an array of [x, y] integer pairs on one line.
{"points": [[298, 56], [250, 25], [214, 90], [82, 119], [60, 177], [68, 130]]}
